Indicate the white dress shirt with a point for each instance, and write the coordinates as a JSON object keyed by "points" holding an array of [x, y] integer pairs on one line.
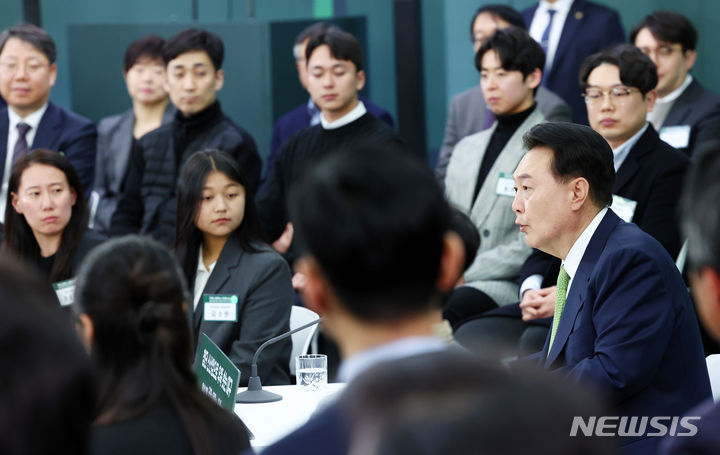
{"points": [[577, 251], [539, 24], [202, 275], [663, 105], [357, 112], [33, 120], [620, 153]]}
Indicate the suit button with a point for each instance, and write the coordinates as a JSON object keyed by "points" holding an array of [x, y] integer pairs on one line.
{"points": [[486, 233]]}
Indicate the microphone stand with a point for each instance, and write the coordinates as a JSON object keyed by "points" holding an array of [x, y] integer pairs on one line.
{"points": [[255, 392]]}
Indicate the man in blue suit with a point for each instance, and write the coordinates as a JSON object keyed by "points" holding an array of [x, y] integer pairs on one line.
{"points": [[308, 114], [30, 120], [623, 318], [569, 31]]}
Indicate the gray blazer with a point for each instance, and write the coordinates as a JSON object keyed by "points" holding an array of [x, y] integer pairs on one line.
{"points": [[503, 250], [114, 144], [467, 116], [262, 283]]}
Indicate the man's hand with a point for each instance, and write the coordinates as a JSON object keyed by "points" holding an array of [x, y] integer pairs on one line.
{"points": [[282, 244], [299, 280], [538, 303]]}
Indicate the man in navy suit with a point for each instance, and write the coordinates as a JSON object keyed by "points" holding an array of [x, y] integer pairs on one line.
{"points": [[308, 114], [623, 318], [569, 31], [30, 121], [686, 114]]}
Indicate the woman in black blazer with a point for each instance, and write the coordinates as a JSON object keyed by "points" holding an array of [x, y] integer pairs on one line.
{"points": [[46, 215], [223, 256]]}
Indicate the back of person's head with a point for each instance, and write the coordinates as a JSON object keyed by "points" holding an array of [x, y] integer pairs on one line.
{"points": [[33, 35], [466, 229], [46, 390], [18, 237], [456, 404], [146, 48], [193, 39], [515, 49], [373, 219], [133, 293], [499, 12], [669, 27], [308, 33], [343, 46], [193, 175], [578, 151], [636, 68]]}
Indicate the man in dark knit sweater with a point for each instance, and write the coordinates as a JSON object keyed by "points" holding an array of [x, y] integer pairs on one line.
{"points": [[335, 76], [479, 175], [193, 60]]}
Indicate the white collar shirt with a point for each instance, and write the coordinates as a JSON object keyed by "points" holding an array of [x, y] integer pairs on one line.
{"points": [[357, 112], [539, 24], [577, 251]]}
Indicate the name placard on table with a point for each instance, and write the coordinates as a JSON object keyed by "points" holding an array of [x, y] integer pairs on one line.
{"points": [[217, 376]]}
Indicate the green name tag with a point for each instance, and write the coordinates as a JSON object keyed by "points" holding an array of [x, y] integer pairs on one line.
{"points": [[505, 185], [217, 376], [65, 291], [220, 307]]}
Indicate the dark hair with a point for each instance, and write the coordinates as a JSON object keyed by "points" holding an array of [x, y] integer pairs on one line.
{"points": [[669, 27], [193, 175], [192, 39], [46, 399], [497, 11], [636, 68], [18, 237], [452, 403], [578, 151], [132, 290], [516, 50], [343, 46], [700, 210], [148, 47], [309, 32], [31, 34], [466, 229], [374, 219]]}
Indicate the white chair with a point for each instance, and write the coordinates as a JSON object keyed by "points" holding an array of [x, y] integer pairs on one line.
{"points": [[713, 366], [302, 340]]}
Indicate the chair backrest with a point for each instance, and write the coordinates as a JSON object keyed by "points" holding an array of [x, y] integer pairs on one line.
{"points": [[302, 339], [713, 366]]}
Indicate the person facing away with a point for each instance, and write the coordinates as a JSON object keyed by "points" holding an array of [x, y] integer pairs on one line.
{"points": [[623, 318], [27, 75], [377, 255], [131, 302], [221, 250], [193, 76], [46, 215], [686, 114], [144, 74]]}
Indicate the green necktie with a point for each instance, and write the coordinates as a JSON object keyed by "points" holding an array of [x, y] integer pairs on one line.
{"points": [[560, 297]]}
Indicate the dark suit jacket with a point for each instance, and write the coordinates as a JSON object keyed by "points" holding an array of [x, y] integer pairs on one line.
{"points": [[707, 439], [589, 28], [262, 283], [629, 327], [299, 118], [700, 109], [62, 131], [652, 175]]}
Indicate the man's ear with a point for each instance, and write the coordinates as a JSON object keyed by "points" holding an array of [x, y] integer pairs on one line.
{"points": [[580, 189], [533, 79], [219, 79], [316, 291], [360, 80], [451, 262]]}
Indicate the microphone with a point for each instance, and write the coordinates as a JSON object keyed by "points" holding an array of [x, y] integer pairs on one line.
{"points": [[255, 392]]}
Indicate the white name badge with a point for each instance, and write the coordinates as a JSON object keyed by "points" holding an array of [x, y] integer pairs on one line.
{"points": [[623, 207], [505, 185], [677, 136], [219, 307], [65, 291]]}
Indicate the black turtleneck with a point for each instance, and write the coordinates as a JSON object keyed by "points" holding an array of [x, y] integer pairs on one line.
{"points": [[506, 127]]}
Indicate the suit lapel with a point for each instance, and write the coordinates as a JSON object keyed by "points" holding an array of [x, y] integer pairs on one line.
{"points": [[682, 107], [630, 167], [48, 130], [4, 125], [578, 288], [570, 28], [467, 169], [506, 162]]}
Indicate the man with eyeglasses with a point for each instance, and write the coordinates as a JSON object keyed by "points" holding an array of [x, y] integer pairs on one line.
{"points": [[30, 120], [685, 113]]}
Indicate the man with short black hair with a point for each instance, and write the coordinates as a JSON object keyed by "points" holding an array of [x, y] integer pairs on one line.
{"points": [[27, 75], [335, 75], [686, 114], [623, 318], [193, 74]]}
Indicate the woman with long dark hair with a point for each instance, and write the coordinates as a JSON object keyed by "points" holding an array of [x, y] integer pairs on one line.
{"points": [[220, 247], [130, 300], [46, 214]]}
